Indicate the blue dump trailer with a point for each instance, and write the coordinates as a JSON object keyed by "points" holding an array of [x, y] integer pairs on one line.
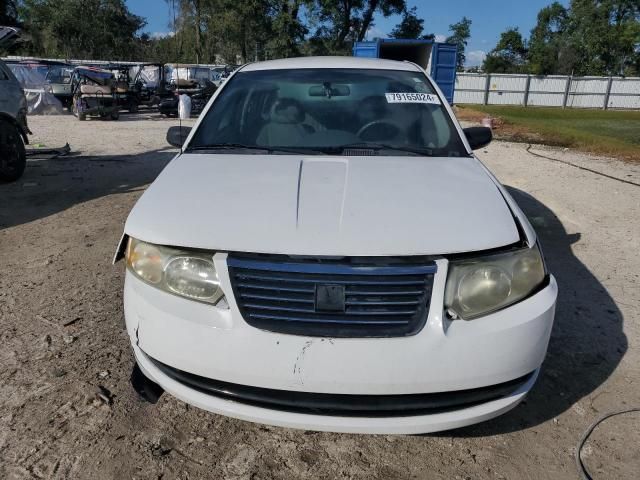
{"points": [[438, 59]]}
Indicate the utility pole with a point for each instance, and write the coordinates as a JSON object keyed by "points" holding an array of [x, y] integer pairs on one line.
{"points": [[196, 6]]}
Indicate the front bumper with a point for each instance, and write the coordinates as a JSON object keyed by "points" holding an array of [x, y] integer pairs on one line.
{"points": [[444, 356], [412, 424]]}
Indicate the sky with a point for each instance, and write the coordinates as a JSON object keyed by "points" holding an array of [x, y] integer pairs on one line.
{"points": [[489, 19]]}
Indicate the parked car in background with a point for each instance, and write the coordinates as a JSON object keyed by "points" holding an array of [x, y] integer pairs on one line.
{"points": [[13, 120], [59, 81], [327, 253], [32, 76]]}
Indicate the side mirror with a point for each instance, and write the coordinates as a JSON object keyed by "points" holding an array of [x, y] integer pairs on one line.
{"points": [[177, 135], [478, 137]]}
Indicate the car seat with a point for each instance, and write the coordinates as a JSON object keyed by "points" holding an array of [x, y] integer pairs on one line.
{"points": [[285, 124], [92, 90]]}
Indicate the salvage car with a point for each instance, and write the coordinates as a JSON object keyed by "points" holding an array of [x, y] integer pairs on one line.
{"points": [[59, 80], [13, 120], [326, 252]]}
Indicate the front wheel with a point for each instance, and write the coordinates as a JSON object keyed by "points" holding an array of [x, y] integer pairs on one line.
{"points": [[115, 115], [13, 157]]}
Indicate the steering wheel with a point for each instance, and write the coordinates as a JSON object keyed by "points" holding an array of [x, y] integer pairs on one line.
{"points": [[390, 128]]}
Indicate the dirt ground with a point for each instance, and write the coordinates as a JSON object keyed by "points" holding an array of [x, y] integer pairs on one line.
{"points": [[67, 409]]}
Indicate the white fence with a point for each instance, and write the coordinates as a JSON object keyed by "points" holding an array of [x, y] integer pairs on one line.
{"points": [[548, 91]]}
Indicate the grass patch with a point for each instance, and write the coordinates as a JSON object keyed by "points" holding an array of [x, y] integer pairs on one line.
{"points": [[608, 132]]}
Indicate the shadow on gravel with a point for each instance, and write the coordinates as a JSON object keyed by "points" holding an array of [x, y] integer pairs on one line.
{"points": [[51, 186], [587, 341]]}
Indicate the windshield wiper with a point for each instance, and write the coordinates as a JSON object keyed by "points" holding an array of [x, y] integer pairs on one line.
{"points": [[425, 152], [225, 146], [267, 150]]}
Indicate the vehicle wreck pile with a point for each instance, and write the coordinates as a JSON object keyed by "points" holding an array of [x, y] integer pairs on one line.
{"points": [[103, 89], [89, 89]]}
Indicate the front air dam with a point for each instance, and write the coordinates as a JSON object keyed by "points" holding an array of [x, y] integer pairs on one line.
{"points": [[148, 390]]}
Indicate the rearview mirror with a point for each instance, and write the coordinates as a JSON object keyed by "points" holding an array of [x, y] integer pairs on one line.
{"points": [[478, 137], [328, 90], [177, 135]]}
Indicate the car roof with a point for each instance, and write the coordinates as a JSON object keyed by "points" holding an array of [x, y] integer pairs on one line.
{"points": [[331, 62]]}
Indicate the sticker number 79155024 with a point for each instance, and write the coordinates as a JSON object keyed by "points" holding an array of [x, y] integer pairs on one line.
{"points": [[412, 98]]}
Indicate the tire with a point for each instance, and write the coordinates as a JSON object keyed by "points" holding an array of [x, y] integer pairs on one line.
{"points": [[74, 109], [115, 115], [133, 107], [13, 157]]}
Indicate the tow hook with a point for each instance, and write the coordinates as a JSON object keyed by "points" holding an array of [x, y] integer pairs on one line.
{"points": [[148, 390]]}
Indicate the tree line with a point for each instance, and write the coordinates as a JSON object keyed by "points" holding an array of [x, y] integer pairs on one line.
{"points": [[208, 31], [590, 37]]}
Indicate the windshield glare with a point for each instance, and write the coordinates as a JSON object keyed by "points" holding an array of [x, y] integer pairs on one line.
{"points": [[328, 110]]}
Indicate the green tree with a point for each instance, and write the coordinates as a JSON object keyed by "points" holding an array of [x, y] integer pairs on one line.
{"points": [[8, 12], [509, 55], [605, 35], [411, 26], [460, 34], [287, 30], [212, 31], [549, 48], [62, 28], [339, 23], [591, 37]]}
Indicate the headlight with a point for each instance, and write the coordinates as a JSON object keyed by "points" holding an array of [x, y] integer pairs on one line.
{"points": [[190, 274], [482, 285]]}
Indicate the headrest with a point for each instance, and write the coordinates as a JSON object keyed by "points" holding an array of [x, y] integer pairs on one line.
{"points": [[287, 110]]}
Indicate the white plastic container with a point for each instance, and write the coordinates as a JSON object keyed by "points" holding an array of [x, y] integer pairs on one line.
{"points": [[184, 107]]}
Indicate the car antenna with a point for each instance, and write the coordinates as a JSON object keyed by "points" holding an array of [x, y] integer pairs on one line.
{"points": [[175, 39]]}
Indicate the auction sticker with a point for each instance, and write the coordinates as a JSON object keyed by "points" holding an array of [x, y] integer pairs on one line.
{"points": [[412, 98]]}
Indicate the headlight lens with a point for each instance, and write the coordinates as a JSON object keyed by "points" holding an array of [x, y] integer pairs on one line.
{"points": [[482, 285], [146, 261], [189, 274]]}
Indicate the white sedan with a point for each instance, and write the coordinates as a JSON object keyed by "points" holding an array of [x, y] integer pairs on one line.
{"points": [[327, 253]]}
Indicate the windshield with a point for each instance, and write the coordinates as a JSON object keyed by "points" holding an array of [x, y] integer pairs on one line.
{"points": [[321, 111], [59, 74]]}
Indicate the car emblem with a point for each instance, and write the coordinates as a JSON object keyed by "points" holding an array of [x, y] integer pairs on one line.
{"points": [[330, 298]]}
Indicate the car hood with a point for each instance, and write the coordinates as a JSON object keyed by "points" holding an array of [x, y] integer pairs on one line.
{"points": [[336, 206]]}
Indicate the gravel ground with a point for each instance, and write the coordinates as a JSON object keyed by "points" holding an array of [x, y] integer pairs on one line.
{"points": [[67, 410]]}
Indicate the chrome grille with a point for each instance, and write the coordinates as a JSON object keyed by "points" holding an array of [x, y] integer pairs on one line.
{"points": [[332, 299]]}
